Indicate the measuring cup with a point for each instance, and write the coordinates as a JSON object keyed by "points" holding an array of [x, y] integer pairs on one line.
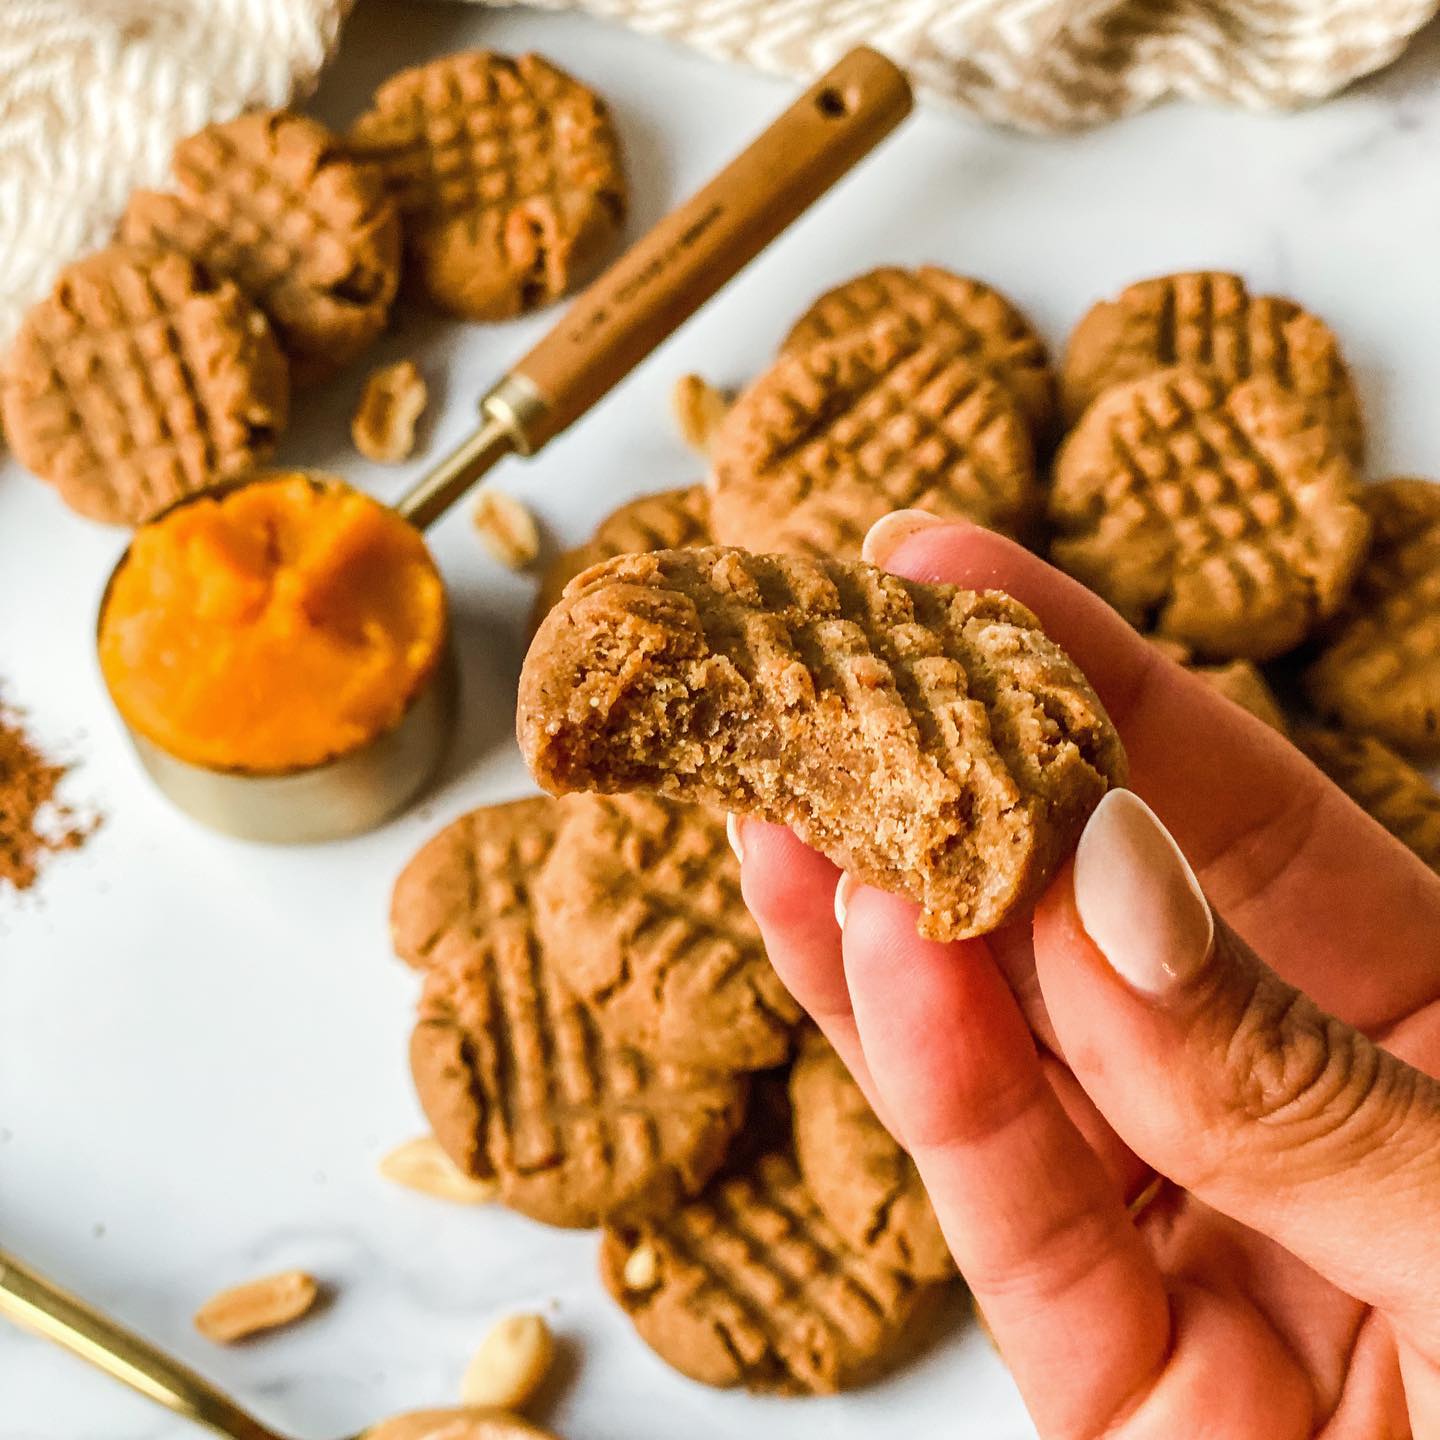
{"points": [[614, 324]]}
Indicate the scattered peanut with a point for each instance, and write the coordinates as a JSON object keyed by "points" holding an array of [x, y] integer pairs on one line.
{"points": [[421, 1164], [391, 404], [507, 528], [642, 1268], [457, 1423], [698, 408], [245, 1310], [510, 1364]]}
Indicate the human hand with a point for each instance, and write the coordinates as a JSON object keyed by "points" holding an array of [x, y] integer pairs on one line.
{"points": [[1285, 1279]]}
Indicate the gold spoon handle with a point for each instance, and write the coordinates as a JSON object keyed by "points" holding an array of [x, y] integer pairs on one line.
{"points": [[35, 1303], [666, 276]]}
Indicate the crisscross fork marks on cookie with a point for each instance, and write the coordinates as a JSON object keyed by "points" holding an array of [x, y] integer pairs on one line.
{"points": [[970, 318], [831, 438], [754, 1287], [1223, 516], [138, 381]]}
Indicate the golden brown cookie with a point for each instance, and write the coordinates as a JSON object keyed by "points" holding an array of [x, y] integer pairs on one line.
{"points": [[140, 380], [1380, 671], [1386, 787], [640, 906], [1222, 516], [671, 520], [750, 1285], [1210, 319], [271, 201], [1240, 681], [865, 1185], [931, 740], [507, 174], [828, 440], [977, 322], [518, 1080]]}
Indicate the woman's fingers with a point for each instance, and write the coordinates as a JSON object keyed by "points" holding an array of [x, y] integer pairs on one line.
{"points": [[1038, 1227], [1276, 844], [790, 890], [1233, 1084]]}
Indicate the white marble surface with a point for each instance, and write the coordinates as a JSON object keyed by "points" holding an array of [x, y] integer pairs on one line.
{"points": [[202, 1043]]}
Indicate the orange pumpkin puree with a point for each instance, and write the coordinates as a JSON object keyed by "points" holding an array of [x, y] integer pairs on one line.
{"points": [[271, 628]]}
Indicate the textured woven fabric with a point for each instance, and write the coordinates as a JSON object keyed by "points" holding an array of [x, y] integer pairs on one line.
{"points": [[94, 93]]}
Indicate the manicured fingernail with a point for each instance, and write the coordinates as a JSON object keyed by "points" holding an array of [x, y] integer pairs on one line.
{"points": [[843, 887], [891, 531], [732, 834], [1139, 899]]}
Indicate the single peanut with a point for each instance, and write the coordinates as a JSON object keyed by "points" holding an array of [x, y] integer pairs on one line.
{"points": [[642, 1268], [421, 1164], [245, 1310], [391, 404], [699, 408], [507, 528], [510, 1364]]}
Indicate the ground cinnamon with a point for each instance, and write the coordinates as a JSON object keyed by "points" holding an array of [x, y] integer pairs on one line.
{"points": [[34, 823]]}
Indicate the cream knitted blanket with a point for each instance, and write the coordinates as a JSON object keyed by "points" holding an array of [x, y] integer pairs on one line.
{"points": [[94, 93]]}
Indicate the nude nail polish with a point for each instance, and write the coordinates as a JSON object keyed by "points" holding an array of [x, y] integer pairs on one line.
{"points": [[891, 531], [1138, 898]]}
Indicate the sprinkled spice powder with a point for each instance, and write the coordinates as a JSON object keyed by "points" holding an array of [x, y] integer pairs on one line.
{"points": [[34, 824]]}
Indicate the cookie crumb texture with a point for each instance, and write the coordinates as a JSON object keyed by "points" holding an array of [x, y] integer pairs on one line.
{"points": [[515, 1074], [831, 438], [507, 174], [864, 1183], [970, 318], [138, 381], [752, 1286], [932, 741], [1380, 671], [640, 905], [1382, 784], [1221, 516], [1209, 318], [271, 201]]}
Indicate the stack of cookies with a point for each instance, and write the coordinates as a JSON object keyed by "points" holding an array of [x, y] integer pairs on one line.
{"points": [[601, 1035], [164, 363]]}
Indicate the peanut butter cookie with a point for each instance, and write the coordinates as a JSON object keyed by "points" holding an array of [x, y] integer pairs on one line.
{"points": [[271, 201], [507, 174], [829, 439], [1222, 516], [864, 1184], [1380, 672], [1210, 319], [750, 1285], [1383, 785], [639, 904], [977, 322], [140, 380], [519, 1081], [931, 740], [671, 520]]}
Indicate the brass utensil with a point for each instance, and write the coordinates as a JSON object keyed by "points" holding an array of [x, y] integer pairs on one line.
{"points": [[44, 1308], [643, 298]]}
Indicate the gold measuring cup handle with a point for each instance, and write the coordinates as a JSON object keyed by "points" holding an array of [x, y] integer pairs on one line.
{"points": [[36, 1304], [664, 278]]}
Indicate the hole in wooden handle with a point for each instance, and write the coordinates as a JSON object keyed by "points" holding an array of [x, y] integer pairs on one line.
{"points": [[832, 103]]}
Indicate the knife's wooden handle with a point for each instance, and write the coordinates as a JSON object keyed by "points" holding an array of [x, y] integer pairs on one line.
{"points": [[663, 279]]}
